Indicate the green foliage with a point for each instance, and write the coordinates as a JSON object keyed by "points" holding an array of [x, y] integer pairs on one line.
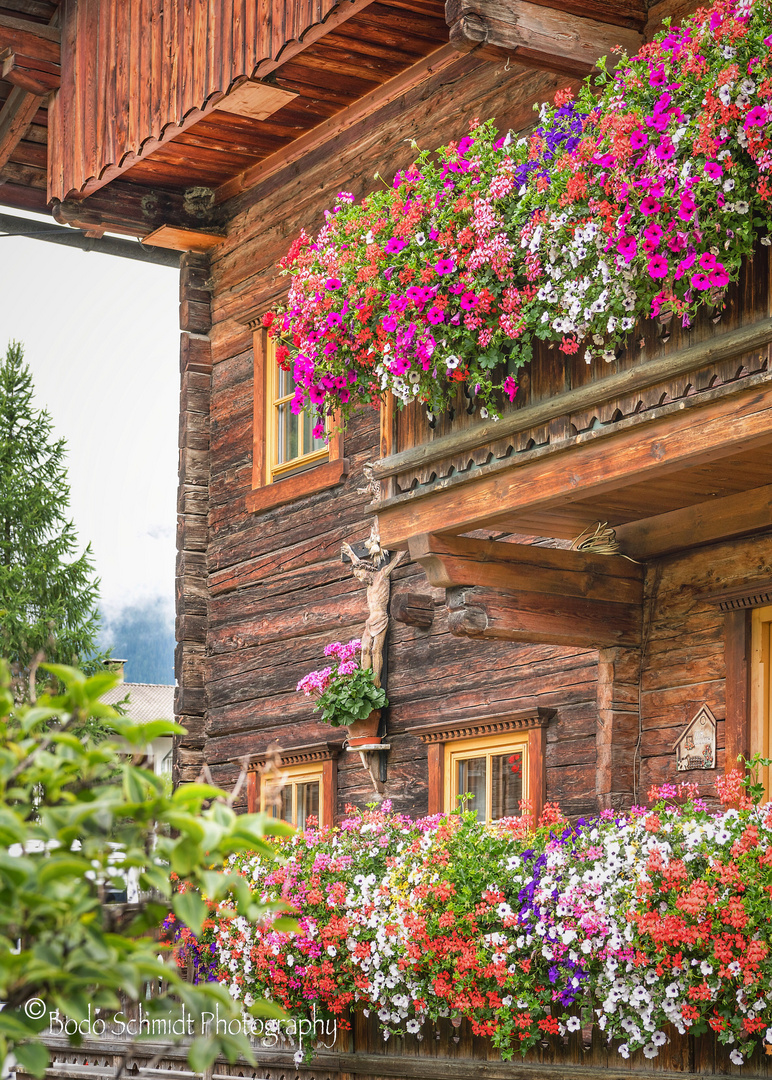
{"points": [[47, 594], [351, 697], [77, 816]]}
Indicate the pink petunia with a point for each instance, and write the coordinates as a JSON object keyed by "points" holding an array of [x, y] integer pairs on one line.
{"points": [[700, 281], [714, 170], [435, 315], [664, 150], [444, 266], [509, 386], [650, 205], [639, 139], [333, 283], [707, 261], [627, 248], [658, 266], [757, 117], [469, 301], [687, 208], [389, 324]]}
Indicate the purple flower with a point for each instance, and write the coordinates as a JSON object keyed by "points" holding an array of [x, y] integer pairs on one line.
{"points": [[389, 323], [714, 170], [435, 315], [658, 77], [333, 283], [444, 266], [650, 206], [665, 150], [658, 266], [700, 281], [469, 301], [638, 139], [466, 144]]}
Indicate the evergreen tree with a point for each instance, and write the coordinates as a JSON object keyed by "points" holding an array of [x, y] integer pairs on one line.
{"points": [[47, 594]]}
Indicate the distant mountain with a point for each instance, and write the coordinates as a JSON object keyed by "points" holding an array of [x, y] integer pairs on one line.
{"points": [[142, 634]]}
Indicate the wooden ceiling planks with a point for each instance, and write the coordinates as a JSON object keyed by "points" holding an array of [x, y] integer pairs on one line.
{"points": [[332, 74], [140, 71]]}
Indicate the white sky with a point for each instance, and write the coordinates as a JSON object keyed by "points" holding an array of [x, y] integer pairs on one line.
{"points": [[101, 337]]}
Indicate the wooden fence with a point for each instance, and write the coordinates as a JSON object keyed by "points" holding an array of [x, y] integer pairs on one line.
{"points": [[443, 1053]]}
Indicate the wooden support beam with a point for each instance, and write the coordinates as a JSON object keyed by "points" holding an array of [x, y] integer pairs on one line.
{"points": [[458, 560], [137, 210], [15, 117], [705, 523], [413, 609], [32, 39], [667, 440], [737, 654], [536, 36], [520, 592], [37, 77], [545, 618]]}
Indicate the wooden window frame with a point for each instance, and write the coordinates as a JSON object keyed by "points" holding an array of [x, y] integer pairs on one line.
{"points": [[761, 690], [488, 746], [300, 774], [267, 490], [512, 728], [307, 762]]}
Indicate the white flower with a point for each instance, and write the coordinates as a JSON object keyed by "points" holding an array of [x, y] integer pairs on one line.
{"points": [[624, 1050], [659, 1038], [736, 1057], [573, 1023], [650, 1050], [420, 239]]}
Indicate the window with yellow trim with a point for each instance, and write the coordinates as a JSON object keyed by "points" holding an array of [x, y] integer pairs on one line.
{"points": [[301, 797], [761, 689], [492, 770], [290, 440]]}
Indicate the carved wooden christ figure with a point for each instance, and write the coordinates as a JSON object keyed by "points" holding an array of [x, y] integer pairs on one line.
{"points": [[378, 583]]}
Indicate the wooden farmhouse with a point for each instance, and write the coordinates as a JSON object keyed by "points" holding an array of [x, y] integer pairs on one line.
{"points": [[213, 131]]}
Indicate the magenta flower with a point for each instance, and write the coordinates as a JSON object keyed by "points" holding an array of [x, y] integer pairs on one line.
{"points": [[627, 248], [395, 244], [687, 208], [469, 301], [653, 235], [757, 117], [509, 386], [714, 170], [658, 266], [435, 315], [650, 206], [334, 319], [700, 281], [638, 139], [444, 266], [658, 77], [719, 277], [708, 262], [333, 283], [664, 150], [389, 323], [466, 144]]}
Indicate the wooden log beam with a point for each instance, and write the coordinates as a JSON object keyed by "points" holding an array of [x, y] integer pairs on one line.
{"points": [[413, 609], [507, 615], [16, 116], [450, 561], [137, 210], [669, 439], [536, 36], [520, 592], [36, 40], [37, 77], [705, 523]]}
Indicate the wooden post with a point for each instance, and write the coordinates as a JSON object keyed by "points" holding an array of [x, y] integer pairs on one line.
{"points": [[436, 759], [737, 651], [253, 792], [537, 772]]}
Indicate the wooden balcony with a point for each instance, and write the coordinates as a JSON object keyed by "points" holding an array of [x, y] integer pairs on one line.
{"points": [[671, 444]]}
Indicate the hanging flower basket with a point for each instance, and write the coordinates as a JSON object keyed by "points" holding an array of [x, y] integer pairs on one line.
{"points": [[640, 196]]}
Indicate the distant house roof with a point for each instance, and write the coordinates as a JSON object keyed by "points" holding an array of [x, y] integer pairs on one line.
{"points": [[147, 701]]}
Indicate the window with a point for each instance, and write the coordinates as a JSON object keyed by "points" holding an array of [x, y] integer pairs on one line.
{"points": [[492, 771], [301, 796], [287, 461], [310, 786], [498, 760], [761, 688]]}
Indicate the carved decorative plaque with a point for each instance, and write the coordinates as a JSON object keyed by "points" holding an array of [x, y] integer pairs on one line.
{"points": [[696, 747]]}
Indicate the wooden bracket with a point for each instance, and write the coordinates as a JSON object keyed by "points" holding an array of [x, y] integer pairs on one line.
{"points": [[413, 609], [38, 77], [535, 35], [520, 592]]}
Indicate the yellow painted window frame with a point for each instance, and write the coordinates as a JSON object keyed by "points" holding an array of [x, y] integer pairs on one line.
{"points": [[275, 469], [273, 486], [488, 746], [761, 689], [300, 774]]}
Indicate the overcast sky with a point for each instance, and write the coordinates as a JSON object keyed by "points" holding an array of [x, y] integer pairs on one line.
{"points": [[101, 336]]}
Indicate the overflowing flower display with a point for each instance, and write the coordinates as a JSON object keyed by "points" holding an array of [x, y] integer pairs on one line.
{"points": [[638, 198], [344, 691], [642, 923]]}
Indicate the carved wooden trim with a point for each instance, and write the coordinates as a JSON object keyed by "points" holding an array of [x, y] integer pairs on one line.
{"points": [[307, 754], [499, 724], [741, 597]]}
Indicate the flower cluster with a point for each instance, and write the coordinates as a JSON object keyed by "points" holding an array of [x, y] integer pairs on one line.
{"points": [[344, 691], [643, 923], [638, 199]]}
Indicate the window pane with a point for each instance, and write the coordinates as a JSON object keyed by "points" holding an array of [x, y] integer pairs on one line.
{"points": [[288, 430], [470, 778], [506, 785], [286, 383], [310, 444], [308, 803], [286, 803]]}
